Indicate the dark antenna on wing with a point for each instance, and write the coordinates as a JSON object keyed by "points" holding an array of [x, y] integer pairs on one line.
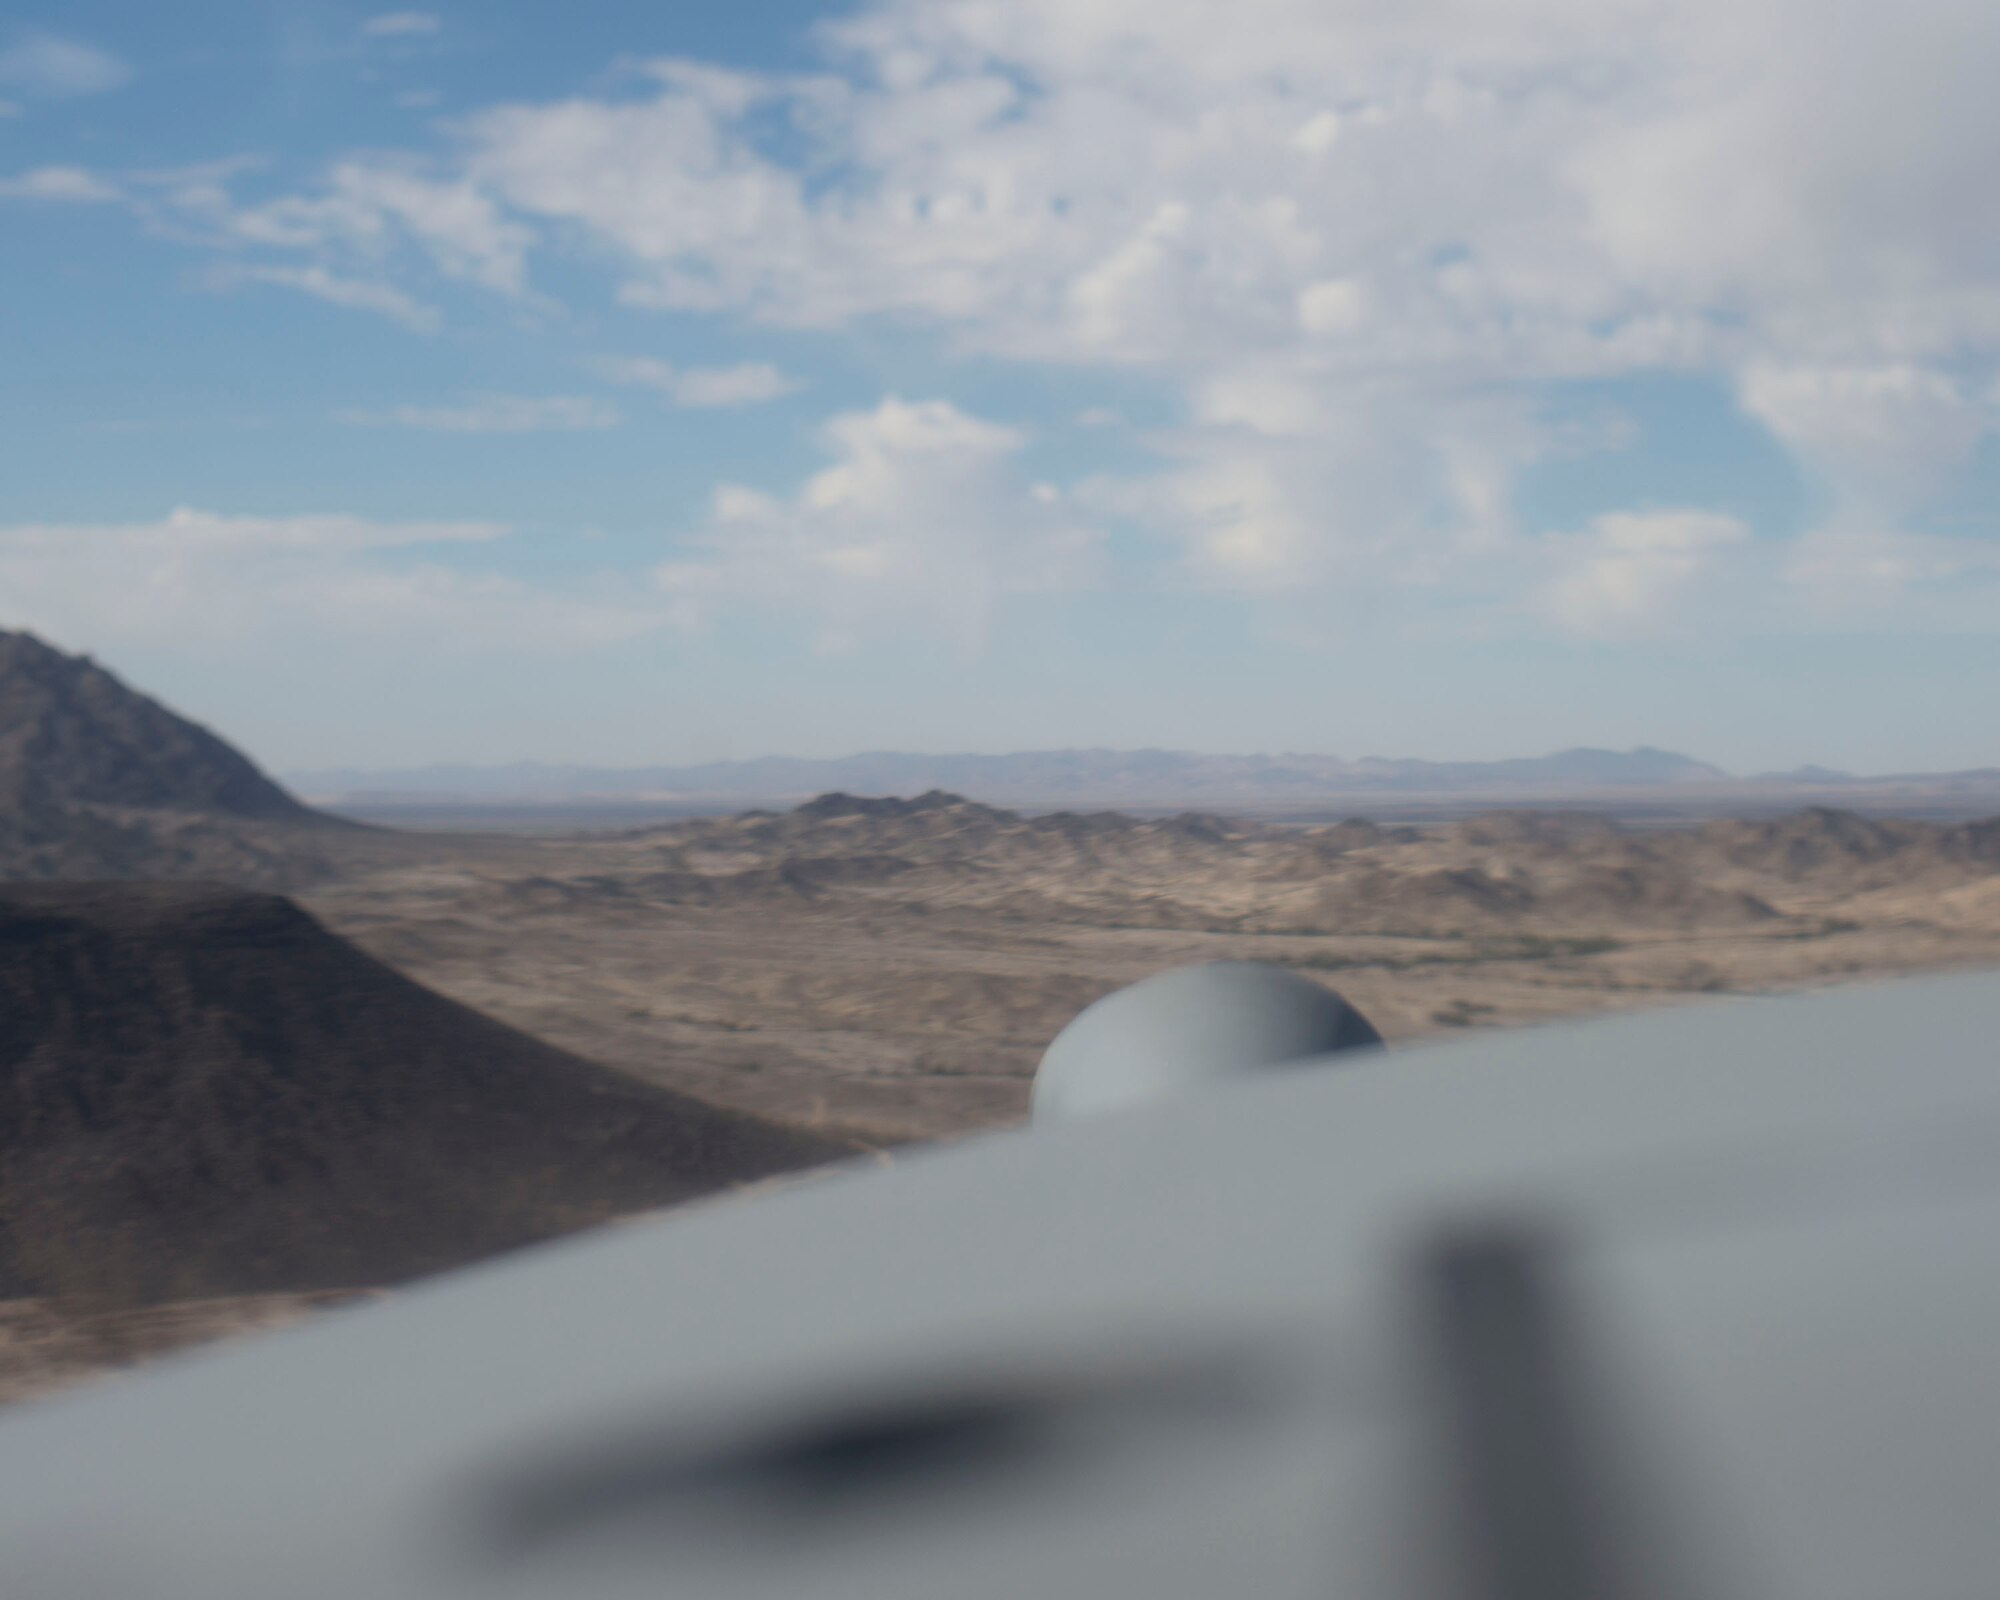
{"points": [[1517, 1424]]}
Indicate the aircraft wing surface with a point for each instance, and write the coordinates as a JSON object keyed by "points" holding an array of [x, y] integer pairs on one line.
{"points": [[1699, 1303]]}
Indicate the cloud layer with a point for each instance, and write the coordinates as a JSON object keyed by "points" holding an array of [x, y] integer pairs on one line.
{"points": [[746, 383], [1354, 247], [402, 25], [49, 66], [200, 579], [498, 413], [922, 522], [73, 185]]}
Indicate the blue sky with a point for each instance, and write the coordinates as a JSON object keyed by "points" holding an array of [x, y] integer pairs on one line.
{"points": [[629, 384]]}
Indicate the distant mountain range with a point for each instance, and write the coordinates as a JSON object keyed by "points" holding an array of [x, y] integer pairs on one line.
{"points": [[99, 779], [1092, 777]]}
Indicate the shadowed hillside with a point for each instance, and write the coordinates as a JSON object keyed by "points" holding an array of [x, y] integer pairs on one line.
{"points": [[204, 1092]]}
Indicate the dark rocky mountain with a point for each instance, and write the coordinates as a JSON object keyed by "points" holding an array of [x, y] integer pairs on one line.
{"points": [[202, 1091], [100, 781], [72, 734]]}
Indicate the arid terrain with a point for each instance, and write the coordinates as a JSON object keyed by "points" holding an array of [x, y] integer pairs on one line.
{"points": [[224, 1108], [894, 968]]}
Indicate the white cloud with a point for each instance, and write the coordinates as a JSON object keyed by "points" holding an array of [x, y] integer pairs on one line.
{"points": [[1334, 305], [1191, 189], [1527, 188], [1860, 567], [1886, 438], [1241, 513], [220, 579], [646, 371], [9, 109], [357, 231], [418, 99], [1879, 433], [1279, 485], [365, 208], [1823, 193], [668, 188], [401, 24], [1287, 214], [498, 413], [46, 65], [1632, 568], [354, 293], [1121, 298], [185, 528], [1319, 133], [1131, 210], [1271, 400], [746, 383], [75, 185], [1508, 191], [921, 520], [462, 228], [1184, 179]]}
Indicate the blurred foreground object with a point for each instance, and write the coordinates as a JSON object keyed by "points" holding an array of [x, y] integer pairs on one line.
{"points": [[1702, 1304], [1188, 1028]]}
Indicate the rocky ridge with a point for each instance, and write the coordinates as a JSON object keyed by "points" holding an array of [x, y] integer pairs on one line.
{"points": [[100, 781], [73, 734], [1495, 871]]}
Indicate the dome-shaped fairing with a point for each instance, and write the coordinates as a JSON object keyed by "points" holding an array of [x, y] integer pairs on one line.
{"points": [[1188, 1027]]}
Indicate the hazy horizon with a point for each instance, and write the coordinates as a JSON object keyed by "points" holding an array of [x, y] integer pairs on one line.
{"points": [[633, 388], [1803, 773]]}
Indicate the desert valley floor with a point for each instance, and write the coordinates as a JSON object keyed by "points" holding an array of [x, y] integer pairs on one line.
{"points": [[893, 969]]}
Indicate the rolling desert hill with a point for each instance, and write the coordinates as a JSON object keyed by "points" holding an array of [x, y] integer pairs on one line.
{"points": [[204, 1092], [897, 965], [1499, 871]]}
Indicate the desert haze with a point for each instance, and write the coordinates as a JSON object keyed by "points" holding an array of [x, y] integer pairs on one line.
{"points": [[1641, 784], [260, 1058]]}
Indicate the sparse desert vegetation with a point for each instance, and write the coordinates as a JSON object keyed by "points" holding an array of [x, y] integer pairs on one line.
{"points": [[893, 968], [217, 1109]]}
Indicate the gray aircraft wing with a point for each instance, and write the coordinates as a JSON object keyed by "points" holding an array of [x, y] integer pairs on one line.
{"points": [[1700, 1303]]}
